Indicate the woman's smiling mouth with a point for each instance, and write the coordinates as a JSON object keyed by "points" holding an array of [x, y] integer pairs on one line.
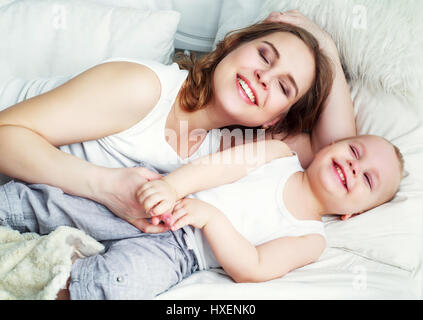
{"points": [[245, 90]]}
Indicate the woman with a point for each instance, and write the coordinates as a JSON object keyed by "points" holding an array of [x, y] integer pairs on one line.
{"points": [[113, 108]]}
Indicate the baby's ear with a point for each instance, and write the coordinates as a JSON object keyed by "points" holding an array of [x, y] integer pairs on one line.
{"points": [[348, 216]]}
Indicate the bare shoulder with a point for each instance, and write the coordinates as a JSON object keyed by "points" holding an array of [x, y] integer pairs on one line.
{"points": [[136, 79]]}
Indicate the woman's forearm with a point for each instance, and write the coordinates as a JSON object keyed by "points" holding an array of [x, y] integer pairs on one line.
{"points": [[337, 118], [29, 157]]}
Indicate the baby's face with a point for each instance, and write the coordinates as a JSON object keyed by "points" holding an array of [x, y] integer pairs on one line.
{"points": [[355, 175]]}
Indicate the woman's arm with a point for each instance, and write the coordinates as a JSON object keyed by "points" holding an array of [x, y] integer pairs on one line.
{"points": [[239, 258], [207, 172], [101, 101], [337, 118]]}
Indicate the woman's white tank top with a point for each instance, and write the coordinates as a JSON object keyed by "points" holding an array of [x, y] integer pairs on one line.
{"points": [[146, 140]]}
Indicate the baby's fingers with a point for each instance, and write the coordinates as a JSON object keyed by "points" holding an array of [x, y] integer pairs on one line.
{"points": [[162, 208], [152, 201], [144, 188], [183, 221], [179, 213], [144, 194]]}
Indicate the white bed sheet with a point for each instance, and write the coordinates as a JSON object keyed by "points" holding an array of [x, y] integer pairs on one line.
{"points": [[337, 275]]}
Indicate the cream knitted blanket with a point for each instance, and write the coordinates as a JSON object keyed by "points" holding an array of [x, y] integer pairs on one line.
{"points": [[36, 267]]}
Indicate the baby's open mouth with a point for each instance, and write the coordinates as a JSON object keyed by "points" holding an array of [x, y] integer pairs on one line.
{"points": [[341, 174]]}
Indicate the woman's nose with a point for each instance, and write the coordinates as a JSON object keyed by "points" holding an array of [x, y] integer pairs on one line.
{"points": [[262, 79]]}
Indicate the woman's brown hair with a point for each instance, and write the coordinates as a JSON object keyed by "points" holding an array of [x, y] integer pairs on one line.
{"points": [[302, 116]]}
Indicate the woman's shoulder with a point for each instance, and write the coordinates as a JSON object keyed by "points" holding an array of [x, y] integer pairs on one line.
{"points": [[167, 76], [136, 85]]}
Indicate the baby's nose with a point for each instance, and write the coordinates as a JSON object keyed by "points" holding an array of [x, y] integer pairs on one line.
{"points": [[355, 168]]}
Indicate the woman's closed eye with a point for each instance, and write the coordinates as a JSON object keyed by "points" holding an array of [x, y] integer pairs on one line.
{"points": [[285, 90], [263, 54]]}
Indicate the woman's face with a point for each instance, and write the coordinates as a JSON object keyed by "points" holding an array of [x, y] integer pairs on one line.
{"points": [[260, 80]]}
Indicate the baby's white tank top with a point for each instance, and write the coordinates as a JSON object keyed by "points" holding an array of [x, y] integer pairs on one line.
{"points": [[143, 142], [255, 207]]}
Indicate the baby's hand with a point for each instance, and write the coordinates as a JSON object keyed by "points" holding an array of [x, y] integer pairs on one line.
{"points": [[158, 197], [166, 218], [192, 212]]}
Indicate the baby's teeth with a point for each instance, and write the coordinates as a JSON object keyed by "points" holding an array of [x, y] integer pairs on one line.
{"points": [[341, 174]]}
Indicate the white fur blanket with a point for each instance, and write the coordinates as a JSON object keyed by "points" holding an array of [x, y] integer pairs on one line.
{"points": [[34, 267]]}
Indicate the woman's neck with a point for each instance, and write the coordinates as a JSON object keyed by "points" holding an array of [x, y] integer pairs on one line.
{"points": [[203, 119], [185, 131]]}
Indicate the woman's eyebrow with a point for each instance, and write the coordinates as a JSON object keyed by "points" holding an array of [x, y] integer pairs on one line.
{"points": [[290, 77]]}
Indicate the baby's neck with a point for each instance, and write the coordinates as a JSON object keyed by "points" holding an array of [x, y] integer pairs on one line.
{"points": [[299, 198]]}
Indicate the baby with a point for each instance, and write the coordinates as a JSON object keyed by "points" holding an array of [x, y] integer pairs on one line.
{"points": [[269, 222]]}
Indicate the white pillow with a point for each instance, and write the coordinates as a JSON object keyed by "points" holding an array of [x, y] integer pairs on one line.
{"points": [[391, 233], [379, 42], [42, 38], [139, 4]]}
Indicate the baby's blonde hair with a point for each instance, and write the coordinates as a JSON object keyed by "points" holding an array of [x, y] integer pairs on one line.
{"points": [[400, 157]]}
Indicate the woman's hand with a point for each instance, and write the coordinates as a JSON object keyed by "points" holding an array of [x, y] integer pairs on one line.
{"points": [[296, 18], [118, 192]]}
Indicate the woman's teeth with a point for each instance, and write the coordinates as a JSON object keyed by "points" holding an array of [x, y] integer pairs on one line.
{"points": [[341, 175], [247, 90]]}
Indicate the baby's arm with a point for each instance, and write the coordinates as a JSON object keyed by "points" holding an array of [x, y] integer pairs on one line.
{"points": [[239, 258], [207, 172]]}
